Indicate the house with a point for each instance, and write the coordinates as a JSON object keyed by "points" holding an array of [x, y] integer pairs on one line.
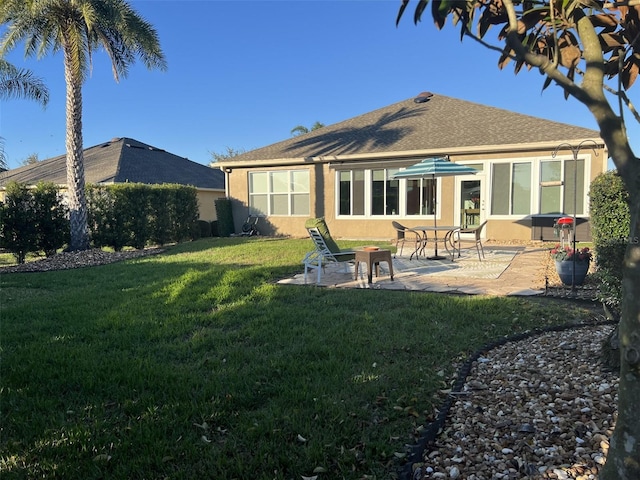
{"points": [[343, 172], [122, 160]]}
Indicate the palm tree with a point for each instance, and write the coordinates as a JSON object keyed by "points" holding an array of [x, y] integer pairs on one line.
{"points": [[19, 83], [78, 28], [301, 129]]}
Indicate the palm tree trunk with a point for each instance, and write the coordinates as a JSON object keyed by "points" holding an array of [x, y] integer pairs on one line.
{"points": [[77, 201]]}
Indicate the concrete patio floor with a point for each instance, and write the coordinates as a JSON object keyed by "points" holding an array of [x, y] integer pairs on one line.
{"points": [[523, 276]]}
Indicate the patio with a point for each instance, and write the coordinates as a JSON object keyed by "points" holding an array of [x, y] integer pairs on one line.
{"points": [[506, 270]]}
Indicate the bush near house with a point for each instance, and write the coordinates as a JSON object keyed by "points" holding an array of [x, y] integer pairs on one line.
{"points": [[609, 216], [184, 213], [131, 215], [160, 222], [610, 219], [225, 217], [137, 214], [33, 220], [51, 215], [17, 229], [204, 229], [106, 219]]}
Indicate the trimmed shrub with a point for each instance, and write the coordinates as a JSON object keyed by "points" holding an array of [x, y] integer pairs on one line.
{"points": [[160, 199], [106, 217], [138, 214], [225, 217], [214, 229], [132, 203], [185, 213], [204, 229], [18, 232], [51, 218], [610, 220]]}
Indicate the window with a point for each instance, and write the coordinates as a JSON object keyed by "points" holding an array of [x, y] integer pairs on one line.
{"points": [[282, 192], [515, 186], [562, 183], [420, 196], [384, 192], [373, 192], [521, 189], [351, 192], [511, 189]]}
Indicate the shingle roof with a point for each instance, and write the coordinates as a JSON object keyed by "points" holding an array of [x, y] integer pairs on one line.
{"points": [[439, 124], [122, 160]]}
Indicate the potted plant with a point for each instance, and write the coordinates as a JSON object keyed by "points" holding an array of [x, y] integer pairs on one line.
{"points": [[566, 259]]}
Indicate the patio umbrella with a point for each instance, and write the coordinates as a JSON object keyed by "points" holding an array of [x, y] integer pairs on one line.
{"points": [[431, 168]]}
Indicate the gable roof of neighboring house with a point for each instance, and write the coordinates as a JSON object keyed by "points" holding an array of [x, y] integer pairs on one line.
{"points": [[439, 124], [122, 160]]}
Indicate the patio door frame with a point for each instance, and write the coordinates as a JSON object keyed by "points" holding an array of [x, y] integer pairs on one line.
{"points": [[480, 176]]}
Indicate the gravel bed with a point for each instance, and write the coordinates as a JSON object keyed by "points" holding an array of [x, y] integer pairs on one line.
{"points": [[539, 408], [86, 258]]}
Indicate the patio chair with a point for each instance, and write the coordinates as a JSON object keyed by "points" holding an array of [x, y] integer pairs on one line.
{"points": [[401, 237], [455, 240], [326, 251]]}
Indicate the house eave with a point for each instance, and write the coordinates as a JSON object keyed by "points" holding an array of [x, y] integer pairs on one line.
{"points": [[404, 155]]}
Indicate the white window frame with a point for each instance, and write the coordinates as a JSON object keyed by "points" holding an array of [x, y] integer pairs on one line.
{"points": [[536, 171], [270, 193], [368, 182]]}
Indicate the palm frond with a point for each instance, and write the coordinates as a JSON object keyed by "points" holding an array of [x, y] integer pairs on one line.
{"points": [[21, 83]]}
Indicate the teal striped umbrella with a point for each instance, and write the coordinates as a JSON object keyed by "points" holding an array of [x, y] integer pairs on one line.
{"points": [[435, 167], [432, 168]]}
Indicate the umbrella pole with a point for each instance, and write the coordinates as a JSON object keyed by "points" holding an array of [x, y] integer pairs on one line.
{"points": [[435, 221]]}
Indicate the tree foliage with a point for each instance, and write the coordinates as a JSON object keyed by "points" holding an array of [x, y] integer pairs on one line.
{"points": [[226, 155], [19, 83], [31, 159], [301, 129]]}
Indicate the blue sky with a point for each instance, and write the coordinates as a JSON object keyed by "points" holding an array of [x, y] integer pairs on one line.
{"points": [[241, 74]]}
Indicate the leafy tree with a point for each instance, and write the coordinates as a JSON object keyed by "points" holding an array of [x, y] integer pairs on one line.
{"points": [[580, 45], [301, 129], [230, 153], [32, 159], [17, 83], [78, 28]]}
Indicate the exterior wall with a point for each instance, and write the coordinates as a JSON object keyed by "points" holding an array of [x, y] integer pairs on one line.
{"points": [[206, 204], [323, 179]]}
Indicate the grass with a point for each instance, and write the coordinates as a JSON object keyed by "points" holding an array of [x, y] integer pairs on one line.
{"points": [[195, 364]]}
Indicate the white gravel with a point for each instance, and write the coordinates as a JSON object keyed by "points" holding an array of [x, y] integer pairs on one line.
{"points": [[538, 408]]}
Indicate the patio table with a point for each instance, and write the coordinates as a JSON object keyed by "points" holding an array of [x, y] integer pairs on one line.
{"points": [[450, 230], [372, 257]]}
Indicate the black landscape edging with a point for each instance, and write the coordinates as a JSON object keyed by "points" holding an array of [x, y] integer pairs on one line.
{"points": [[432, 429]]}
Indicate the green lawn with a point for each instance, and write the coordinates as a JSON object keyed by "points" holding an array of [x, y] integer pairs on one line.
{"points": [[194, 364]]}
